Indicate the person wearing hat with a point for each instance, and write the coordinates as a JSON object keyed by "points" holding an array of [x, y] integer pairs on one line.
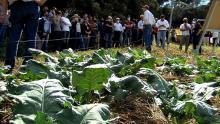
{"points": [[149, 20], [118, 29], [108, 32], [76, 41], [162, 25], [24, 16], [186, 29]]}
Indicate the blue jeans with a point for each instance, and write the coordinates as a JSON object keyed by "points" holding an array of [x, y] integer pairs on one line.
{"points": [[108, 40], [80, 41], [24, 16], [147, 36], [2, 31], [161, 35]]}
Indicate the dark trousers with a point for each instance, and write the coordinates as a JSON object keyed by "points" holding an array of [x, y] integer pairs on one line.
{"points": [[196, 40], [58, 40], [108, 40], [140, 37], [66, 35], [79, 41], [2, 31], [117, 38], [93, 40], [24, 16]]}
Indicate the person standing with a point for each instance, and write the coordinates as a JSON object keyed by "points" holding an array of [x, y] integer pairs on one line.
{"points": [[44, 30], [23, 16], [140, 30], [101, 25], [118, 29], [94, 28], [162, 25], [86, 34], [185, 28], [108, 32], [128, 32], [149, 20], [196, 34], [57, 31], [65, 27], [79, 38]]}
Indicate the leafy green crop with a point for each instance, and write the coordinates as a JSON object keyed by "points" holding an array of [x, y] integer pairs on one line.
{"points": [[92, 78], [120, 88], [48, 97]]}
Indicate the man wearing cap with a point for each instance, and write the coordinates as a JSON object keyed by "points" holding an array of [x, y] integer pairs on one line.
{"points": [[162, 25], [24, 16], [118, 29], [149, 20], [185, 28]]}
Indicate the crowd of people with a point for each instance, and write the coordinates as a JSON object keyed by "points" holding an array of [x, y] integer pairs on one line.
{"points": [[56, 30]]}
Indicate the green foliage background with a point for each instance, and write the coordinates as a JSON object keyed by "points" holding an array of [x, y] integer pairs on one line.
{"points": [[133, 8]]}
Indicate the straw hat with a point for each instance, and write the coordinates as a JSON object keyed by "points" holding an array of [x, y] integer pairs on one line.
{"points": [[141, 16], [75, 16]]}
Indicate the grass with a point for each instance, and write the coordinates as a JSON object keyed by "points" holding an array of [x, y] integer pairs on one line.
{"points": [[159, 53]]}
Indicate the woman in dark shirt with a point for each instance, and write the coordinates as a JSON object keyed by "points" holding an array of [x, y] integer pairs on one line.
{"points": [[108, 32], [196, 35], [86, 31]]}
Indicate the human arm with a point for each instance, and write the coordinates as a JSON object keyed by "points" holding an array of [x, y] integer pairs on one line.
{"points": [[5, 6], [167, 24], [40, 2]]}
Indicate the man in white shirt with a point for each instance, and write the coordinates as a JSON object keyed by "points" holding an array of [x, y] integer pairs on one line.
{"points": [[118, 29], [162, 25], [140, 29], [186, 29], [24, 16], [65, 26], [149, 20]]}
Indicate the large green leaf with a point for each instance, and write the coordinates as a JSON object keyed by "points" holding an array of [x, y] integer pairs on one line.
{"points": [[52, 70], [91, 78], [45, 55], [205, 91], [133, 68], [122, 87], [125, 58], [155, 80], [203, 112], [85, 114], [49, 97]]}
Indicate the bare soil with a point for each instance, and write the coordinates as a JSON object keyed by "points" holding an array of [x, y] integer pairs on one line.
{"points": [[6, 111], [139, 109]]}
